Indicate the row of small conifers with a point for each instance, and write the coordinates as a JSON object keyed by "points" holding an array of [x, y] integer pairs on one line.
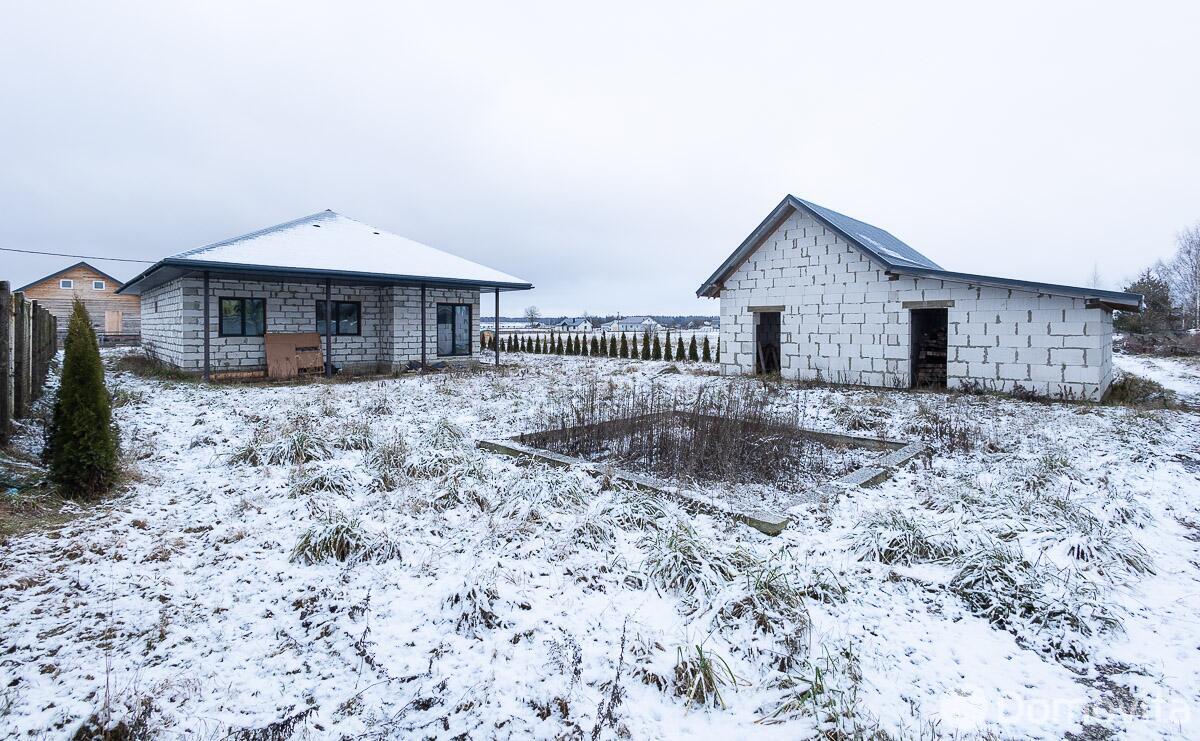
{"points": [[647, 347]]}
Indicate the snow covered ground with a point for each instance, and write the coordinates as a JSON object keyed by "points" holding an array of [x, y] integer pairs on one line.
{"points": [[1181, 375], [337, 560]]}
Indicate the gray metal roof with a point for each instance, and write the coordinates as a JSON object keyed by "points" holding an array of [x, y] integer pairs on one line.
{"points": [[896, 257], [878, 242]]}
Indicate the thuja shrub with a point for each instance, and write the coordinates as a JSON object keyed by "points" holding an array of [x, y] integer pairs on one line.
{"points": [[81, 441]]}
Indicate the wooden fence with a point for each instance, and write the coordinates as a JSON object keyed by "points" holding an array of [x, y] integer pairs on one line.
{"points": [[28, 342]]}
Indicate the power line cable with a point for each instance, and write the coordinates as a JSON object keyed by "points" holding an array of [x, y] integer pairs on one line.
{"points": [[81, 257]]}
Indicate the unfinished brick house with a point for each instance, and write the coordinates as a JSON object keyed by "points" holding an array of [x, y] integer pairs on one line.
{"points": [[814, 294], [374, 301], [116, 318]]}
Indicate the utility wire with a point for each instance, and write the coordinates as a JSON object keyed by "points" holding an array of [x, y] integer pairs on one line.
{"points": [[81, 257]]}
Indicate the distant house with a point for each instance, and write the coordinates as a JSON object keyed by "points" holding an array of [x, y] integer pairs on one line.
{"points": [[632, 324], [575, 325], [815, 294], [375, 300], [116, 318]]}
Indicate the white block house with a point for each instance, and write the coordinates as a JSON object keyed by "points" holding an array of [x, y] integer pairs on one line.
{"points": [[378, 301], [814, 294]]}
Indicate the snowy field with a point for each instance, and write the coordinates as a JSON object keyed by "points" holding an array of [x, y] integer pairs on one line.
{"points": [[338, 561]]}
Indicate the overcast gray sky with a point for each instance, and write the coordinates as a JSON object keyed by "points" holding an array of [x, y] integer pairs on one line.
{"points": [[612, 154]]}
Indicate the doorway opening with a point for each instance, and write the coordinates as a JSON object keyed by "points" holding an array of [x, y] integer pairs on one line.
{"points": [[766, 342], [927, 346]]}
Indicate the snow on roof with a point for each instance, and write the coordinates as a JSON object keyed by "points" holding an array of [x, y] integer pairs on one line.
{"points": [[328, 241]]}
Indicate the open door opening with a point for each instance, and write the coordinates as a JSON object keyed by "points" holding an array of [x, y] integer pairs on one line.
{"points": [[927, 345], [766, 342]]}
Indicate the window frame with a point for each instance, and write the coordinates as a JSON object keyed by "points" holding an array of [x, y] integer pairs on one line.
{"points": [[453, 331], [242, 300], [99, 285], [66, 284], [337, 323]]}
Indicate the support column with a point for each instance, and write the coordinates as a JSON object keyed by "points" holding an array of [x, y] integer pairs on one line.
{"points": [[207, 330], [496, 332], [422, 327], [329, 327]]}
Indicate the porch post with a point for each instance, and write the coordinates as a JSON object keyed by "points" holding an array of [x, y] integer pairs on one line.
{"points": [[422, 327], [496, 331], [329, 328], [207, 329]]}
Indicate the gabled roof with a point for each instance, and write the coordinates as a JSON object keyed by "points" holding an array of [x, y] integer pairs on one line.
{"points": [[897, 257], [80, 264], [327, 244]]}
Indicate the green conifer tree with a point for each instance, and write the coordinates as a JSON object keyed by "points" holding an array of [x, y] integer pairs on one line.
{"points": [[667, 355], [624, 346], [595, 347], [645, 345], [612, 346], [558, 346], [707, 355], [693, 351], [717, 359], [656, 349], [679, 351], [81, 444]]}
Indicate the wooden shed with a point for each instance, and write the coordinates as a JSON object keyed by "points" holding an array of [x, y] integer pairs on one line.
{"points": [[116, 318]]}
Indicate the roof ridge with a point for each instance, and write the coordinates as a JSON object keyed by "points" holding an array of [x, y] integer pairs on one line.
{"points": [[320, 215]]}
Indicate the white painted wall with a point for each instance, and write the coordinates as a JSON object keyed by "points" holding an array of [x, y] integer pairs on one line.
{"points": [[845, 322]]}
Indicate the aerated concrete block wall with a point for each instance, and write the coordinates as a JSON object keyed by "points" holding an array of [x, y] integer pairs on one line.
{"points": [[173, 326], [844, 321]]}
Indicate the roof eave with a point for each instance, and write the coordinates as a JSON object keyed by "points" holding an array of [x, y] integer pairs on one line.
{"points": [[274, 270], [1108, 299]]}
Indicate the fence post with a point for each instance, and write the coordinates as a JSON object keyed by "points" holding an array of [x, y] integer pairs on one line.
{"points": [[20, 356], [6, 361]]}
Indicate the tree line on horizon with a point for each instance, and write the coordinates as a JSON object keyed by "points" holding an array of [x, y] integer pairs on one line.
{"points": [[608, 346]]}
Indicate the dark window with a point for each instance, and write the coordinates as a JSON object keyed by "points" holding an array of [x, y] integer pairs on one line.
{"points": [[242, 317], [453, 329], [346, 318]]}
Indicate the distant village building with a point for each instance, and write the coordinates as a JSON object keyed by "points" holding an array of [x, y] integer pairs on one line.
{"points": [[815, 294], [390, 301], [632, 324], [575, 325], [116, 318]]}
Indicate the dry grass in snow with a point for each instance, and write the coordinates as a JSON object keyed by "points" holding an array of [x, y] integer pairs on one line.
{"points": [[338, 560]]}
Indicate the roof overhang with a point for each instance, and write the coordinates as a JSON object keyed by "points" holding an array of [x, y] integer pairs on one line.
{"points": [[1096, 298], [171, 268]]}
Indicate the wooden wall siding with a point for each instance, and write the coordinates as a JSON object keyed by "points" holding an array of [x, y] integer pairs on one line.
{"points": [[58, 301]]}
